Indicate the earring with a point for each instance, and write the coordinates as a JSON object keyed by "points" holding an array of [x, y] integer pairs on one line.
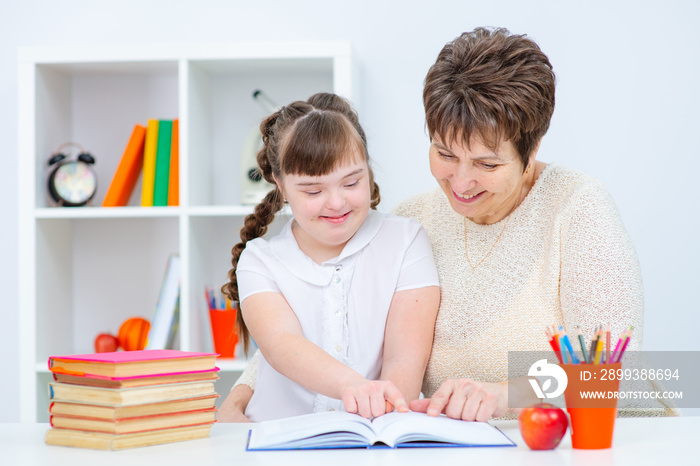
{"points": [[528, 169]]}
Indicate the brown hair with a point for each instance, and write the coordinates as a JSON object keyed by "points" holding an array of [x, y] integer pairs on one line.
{"points": [[493, 85], [305, 137]]}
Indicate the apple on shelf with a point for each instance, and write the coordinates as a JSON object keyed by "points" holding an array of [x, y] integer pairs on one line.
{"points": [[542, 426], [106, 343]]}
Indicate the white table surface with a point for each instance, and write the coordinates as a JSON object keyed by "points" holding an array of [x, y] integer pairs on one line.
{"points": [[648, 441]]}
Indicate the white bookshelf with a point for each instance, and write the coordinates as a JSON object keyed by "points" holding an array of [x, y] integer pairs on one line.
{"points": [[85, 270]]}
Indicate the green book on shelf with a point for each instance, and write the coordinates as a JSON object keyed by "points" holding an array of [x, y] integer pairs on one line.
{"points": [[160, 182]]}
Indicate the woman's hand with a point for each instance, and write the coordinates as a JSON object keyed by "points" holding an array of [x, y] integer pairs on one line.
{"points": [[466, 399], [233, 407], [372, 398]]}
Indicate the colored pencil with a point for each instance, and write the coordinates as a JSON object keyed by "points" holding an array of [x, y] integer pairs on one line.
{"points": [[598, 348], [562, 346], [583, 345], [553, 344], [617, 346], [567, 342], [594, 343], [624, 345], [600, 351]]}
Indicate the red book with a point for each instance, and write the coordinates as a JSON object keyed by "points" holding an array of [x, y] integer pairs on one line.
{"points": [[128, 170]]}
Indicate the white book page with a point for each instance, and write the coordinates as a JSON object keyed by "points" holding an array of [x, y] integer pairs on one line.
{"points": [[283, 431], [394, 428]]}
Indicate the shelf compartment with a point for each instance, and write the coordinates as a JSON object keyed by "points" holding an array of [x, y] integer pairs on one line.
{"points": [[68, 96], [92, 274]]}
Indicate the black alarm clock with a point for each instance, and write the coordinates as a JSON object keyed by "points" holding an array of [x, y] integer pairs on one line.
{"points": [[72, 181]]}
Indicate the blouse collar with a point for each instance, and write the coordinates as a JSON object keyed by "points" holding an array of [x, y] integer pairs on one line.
{"points": [[285, 248]]}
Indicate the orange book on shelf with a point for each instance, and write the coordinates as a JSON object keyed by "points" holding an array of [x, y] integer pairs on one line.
{"points": [[174, 181], [128, 170]]}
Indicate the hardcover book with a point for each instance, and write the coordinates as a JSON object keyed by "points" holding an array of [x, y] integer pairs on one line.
{"points": [[162, 173], [149, 163], [128, 396], [112, 413], [164, 321], [394, 430], [174, 178], [139, 381], [103, 441], [128, 170], [135, 424], [123, 364]]}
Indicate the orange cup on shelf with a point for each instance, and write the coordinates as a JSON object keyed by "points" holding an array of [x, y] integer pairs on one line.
{"points": [[592, 416], [223, 326]]}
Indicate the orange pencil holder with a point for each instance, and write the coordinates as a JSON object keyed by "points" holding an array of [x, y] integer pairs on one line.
{"points": [[591, 400], [223, 327]]}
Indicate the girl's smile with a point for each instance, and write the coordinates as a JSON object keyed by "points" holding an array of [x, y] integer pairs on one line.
{"points": [[328, 209]]}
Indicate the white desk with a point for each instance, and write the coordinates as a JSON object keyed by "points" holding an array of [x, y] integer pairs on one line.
{"points": [[660, 441]]}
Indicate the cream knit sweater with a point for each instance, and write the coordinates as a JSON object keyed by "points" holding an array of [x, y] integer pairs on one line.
{"points": [[564, 258]]}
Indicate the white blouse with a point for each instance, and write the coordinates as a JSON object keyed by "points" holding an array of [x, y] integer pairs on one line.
{"points": [[342, 304]]}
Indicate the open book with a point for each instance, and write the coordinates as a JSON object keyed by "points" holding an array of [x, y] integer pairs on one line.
{"points": [[344, 430]]}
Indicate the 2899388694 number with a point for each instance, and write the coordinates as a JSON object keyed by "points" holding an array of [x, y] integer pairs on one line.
{"points": [[639, 374]]}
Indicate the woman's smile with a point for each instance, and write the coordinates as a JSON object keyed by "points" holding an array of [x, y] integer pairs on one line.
{"points": [[468, 198], [483, 184]]}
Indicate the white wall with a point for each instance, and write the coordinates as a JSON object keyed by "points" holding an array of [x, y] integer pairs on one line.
{"points": [[627, 108]]}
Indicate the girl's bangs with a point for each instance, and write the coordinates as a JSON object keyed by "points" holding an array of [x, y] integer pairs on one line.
{"points": [[319, 143]]}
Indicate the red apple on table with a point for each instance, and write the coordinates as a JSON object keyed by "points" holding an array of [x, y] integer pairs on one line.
{"points": [[542, 426], [106, 343]]}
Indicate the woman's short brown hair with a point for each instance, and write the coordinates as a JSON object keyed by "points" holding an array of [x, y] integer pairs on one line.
{"points": [[493, 85]]}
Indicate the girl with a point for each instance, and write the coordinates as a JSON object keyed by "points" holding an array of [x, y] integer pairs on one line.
{"points": [[342, 303]]}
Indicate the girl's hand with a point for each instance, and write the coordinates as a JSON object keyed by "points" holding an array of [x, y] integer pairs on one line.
{"points": [[372, 398], [466, 399], [233, 407]]}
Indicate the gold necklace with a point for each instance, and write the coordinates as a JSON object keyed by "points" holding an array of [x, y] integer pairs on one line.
{"points": [[466, 247]]}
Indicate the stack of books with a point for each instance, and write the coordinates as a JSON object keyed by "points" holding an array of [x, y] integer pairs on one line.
{"points": [[128, 399]]}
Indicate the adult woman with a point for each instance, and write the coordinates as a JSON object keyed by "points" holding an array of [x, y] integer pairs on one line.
{"points": [[518, 244]]}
